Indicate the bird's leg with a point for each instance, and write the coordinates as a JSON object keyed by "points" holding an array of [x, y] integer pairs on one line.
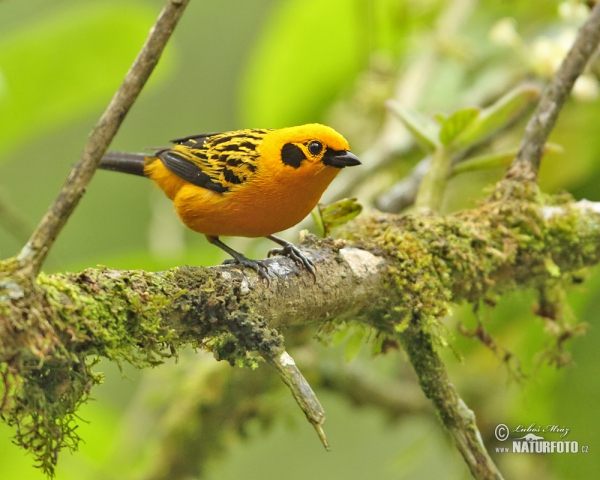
{"points": [[292, 251], [260, 267]]}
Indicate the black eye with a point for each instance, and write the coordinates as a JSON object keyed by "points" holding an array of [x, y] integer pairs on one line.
{"points": [[315, 148]]}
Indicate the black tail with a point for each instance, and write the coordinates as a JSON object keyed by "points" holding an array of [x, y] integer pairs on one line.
{"points": [[132, 163]]}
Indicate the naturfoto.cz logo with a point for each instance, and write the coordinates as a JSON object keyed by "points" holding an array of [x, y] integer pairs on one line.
{"points": [[527, 440]]}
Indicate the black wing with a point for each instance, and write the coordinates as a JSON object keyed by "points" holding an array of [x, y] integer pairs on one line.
{"points": [[189, 171]]}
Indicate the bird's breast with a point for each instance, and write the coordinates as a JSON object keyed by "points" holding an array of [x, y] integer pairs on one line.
{"points": [[264, 205]]}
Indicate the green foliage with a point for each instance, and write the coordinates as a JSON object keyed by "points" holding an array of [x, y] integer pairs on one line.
{"points": [[455, 124], [456, 133], [38, 91], [308, 52], [290, 60], [355, 342], [465, 127], [336, 214], [497, 116], [425, 131]]}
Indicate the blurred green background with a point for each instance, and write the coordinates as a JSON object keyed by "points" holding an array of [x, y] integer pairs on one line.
{"points": [[272, 63]]}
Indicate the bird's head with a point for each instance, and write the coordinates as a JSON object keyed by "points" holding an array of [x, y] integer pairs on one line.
{"points": [[308, 148]]}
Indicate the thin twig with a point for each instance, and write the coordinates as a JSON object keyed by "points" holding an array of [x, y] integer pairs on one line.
{"points": [[35, 251], [527, 162]]}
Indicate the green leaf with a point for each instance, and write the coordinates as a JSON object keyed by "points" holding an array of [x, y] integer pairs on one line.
{"points": [[338, 213], [495, 160], [456, 123], [318, 219], [377, 344], [340, 334], [424, 130], [485, 162], [498, 115], [440, 118], [552, 268], [67, 65], [3, 87], [354, 343]]}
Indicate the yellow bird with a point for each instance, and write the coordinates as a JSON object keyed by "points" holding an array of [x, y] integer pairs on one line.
{"points": [[246, 183]]}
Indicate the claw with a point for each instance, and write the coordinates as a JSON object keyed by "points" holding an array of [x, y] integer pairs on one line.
{"points": [[288, 249], [238, 259], [260, 267], [292, 251], [296, 255]]}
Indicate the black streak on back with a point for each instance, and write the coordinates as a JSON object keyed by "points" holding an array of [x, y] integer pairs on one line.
{"points": [[231, 177]]}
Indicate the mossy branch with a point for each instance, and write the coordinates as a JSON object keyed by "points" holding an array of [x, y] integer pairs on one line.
{"points": [[398, 268], [453, 412]]}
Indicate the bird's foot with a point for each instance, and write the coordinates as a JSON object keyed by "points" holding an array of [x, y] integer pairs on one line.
{"points": [[260, 266], [292, 251]]}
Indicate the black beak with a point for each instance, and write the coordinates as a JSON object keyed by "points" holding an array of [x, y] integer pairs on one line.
{"points": [[340, 159]]}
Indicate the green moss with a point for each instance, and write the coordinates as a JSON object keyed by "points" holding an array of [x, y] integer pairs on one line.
{"points": [[241, 337], [52, 332], [96, 310], [474, 255], [66, 324]]}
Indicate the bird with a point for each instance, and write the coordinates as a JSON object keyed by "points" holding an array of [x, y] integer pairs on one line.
{"points": [[245, 183]]}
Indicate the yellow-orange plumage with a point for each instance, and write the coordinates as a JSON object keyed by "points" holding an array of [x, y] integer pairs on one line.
{"points": [[275, 197], [249, 183]]}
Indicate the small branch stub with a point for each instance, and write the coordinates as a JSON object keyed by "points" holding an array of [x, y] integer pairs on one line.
{"points": [[285, 366]]}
